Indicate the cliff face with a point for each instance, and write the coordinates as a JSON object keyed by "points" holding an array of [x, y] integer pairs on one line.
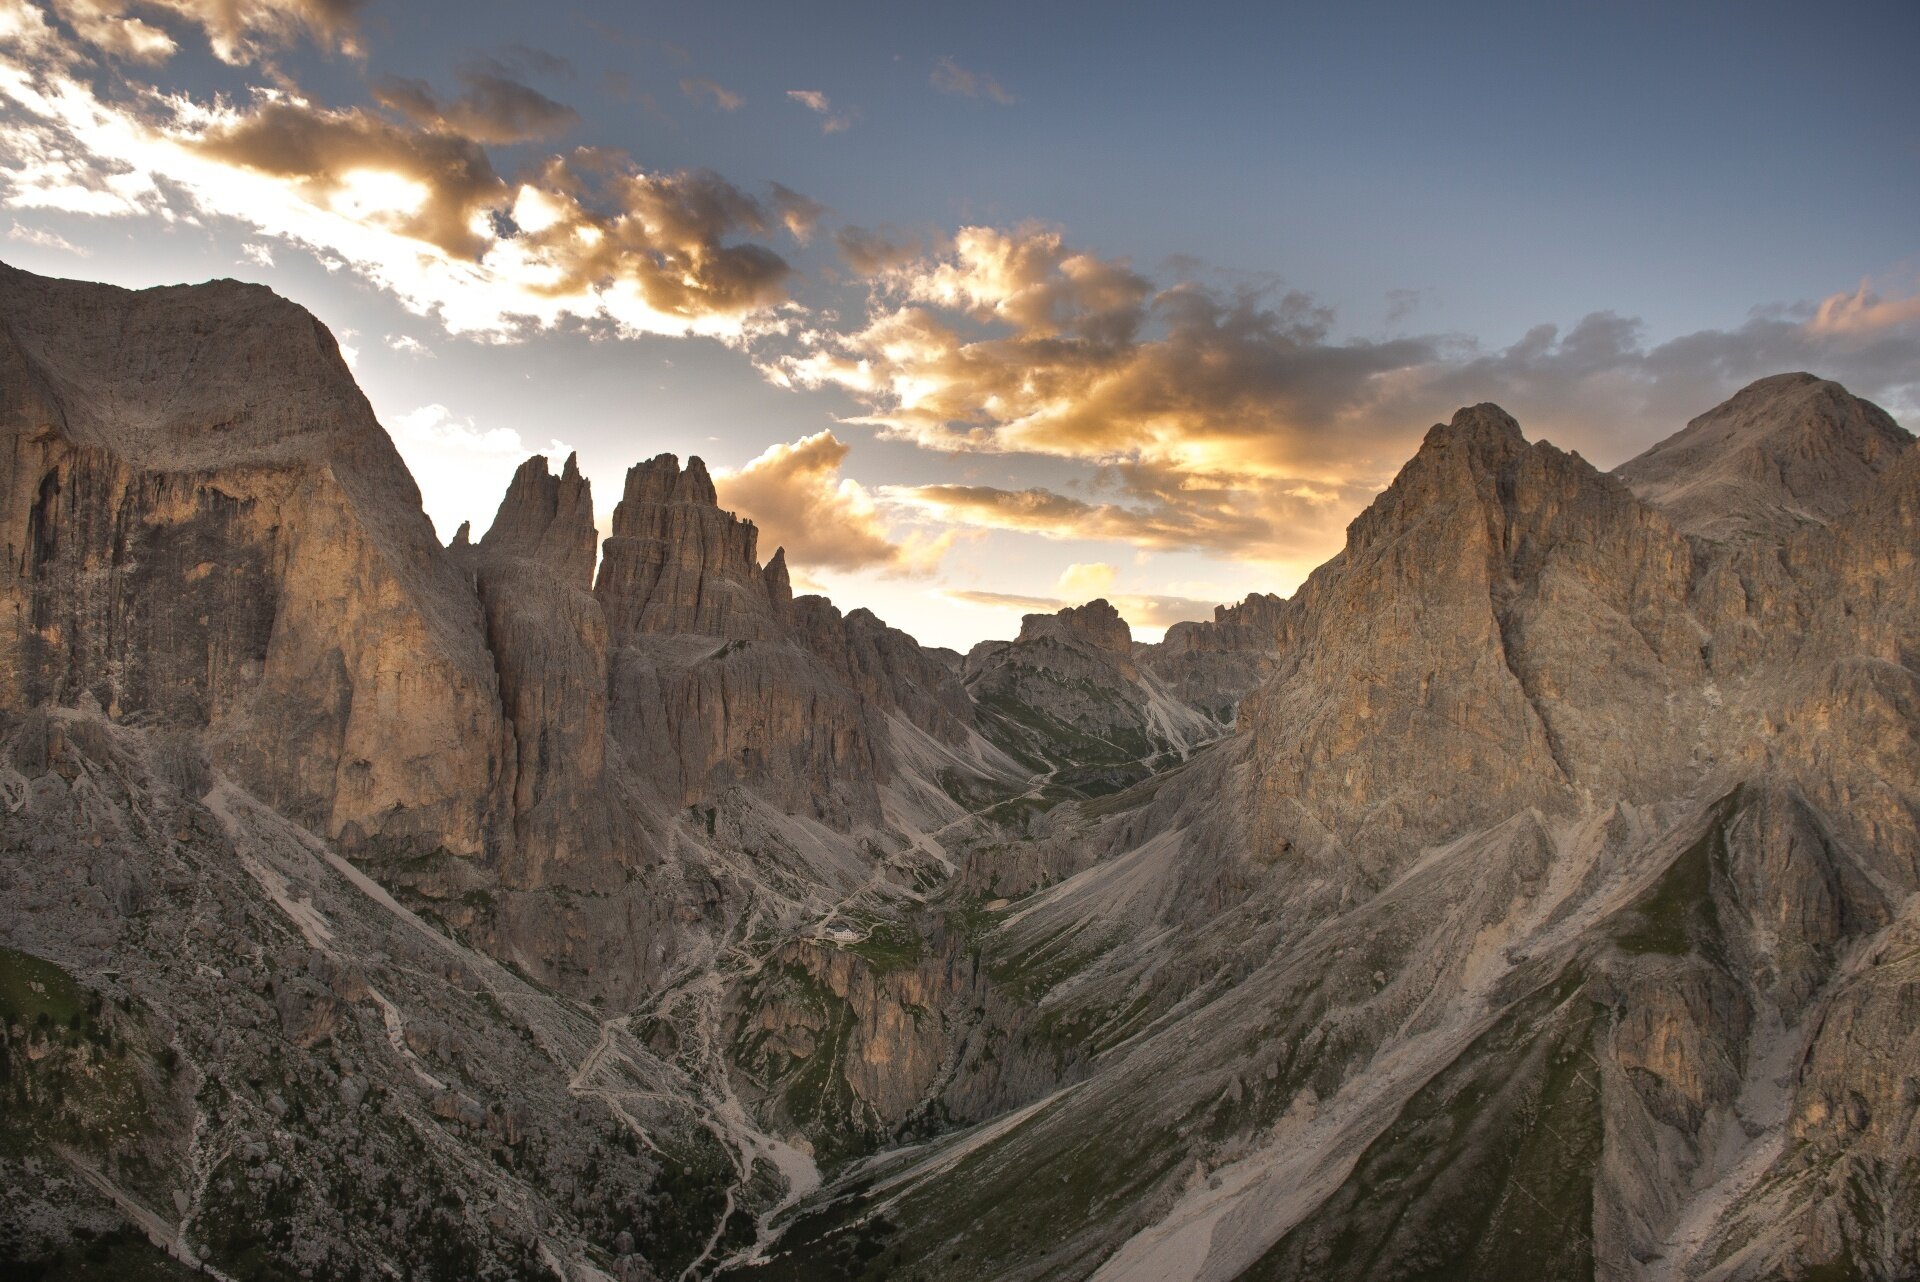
{"points": [[1067, 695], [677, 565], [533, 572], [203, 521], [1494, 614], [1213, 665]]}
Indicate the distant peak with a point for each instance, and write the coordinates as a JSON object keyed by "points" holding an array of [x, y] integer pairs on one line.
{"points": [[1781, 453], [571, 472], [1096, 623]]}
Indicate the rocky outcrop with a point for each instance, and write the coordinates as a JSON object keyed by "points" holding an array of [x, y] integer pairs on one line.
{"points": [[1095, 625], [533, 571], [1066, 694], [1493, 614], [884, 666]]}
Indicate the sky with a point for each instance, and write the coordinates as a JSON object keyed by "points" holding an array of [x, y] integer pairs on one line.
{"points": [[989, 308]]}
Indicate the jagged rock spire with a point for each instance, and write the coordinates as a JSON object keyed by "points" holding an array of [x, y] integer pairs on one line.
{"points": [[547, 518], [676, 564]]}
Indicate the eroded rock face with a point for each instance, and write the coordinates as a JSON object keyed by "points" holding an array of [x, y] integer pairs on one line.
{"points": [[1096, 625], [1493, 614], [533, 571], [1549, 907], [1214, 665], [1067, 694], [180, 543]]}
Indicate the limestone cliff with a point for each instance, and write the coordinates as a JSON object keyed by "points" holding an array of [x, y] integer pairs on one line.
{"points": [[204, 522]]}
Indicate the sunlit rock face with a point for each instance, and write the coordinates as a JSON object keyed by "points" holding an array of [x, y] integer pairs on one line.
{"points": [[206, 523], [677, 565]]}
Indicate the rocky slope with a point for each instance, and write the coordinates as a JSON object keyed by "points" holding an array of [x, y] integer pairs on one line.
{"points": [[1530, 894], [1067, 696]]}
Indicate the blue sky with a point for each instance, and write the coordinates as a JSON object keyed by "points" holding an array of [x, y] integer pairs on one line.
{"points": [[977, 308]]}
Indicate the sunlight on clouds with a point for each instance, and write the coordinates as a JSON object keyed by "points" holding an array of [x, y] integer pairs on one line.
{"points": [[461, 469], [419, 212], [799, 500], [1864, 312]]}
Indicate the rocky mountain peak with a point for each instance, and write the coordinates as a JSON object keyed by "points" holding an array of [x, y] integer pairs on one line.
{"points": [[661, 480], [779, 582], [1485, 429], [547, 518], [677, 564], [1096, 624], [1781, 454]]}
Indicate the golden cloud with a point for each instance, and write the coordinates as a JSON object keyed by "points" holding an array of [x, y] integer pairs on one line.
{"points": [[797, 496], [495, 108], [1231, 421], [1864, 311], [414, 205], [238, 31], [1013, 342]]}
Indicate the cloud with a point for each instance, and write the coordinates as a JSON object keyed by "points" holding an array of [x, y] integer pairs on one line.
{"points": [[1233, 421], [1085, 582], [818, 103], [493, 109], [871, 252], [415, 206], [1138, 609], [43, 239], [949, 77], [799, 214], [1864, 312], [408, 345], [700, 88], [238, 31], [826, 521]]}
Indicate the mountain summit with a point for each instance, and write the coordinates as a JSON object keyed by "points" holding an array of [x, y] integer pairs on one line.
{"points": [[1782, 453]]}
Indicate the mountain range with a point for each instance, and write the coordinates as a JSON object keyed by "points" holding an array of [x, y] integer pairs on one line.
{"points": [[1529, 894]]}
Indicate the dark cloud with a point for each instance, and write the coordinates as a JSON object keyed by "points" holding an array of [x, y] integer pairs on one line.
{"points": [[872, 252], [323, 152], [492, 108], [529, 60], [800, 214]]}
